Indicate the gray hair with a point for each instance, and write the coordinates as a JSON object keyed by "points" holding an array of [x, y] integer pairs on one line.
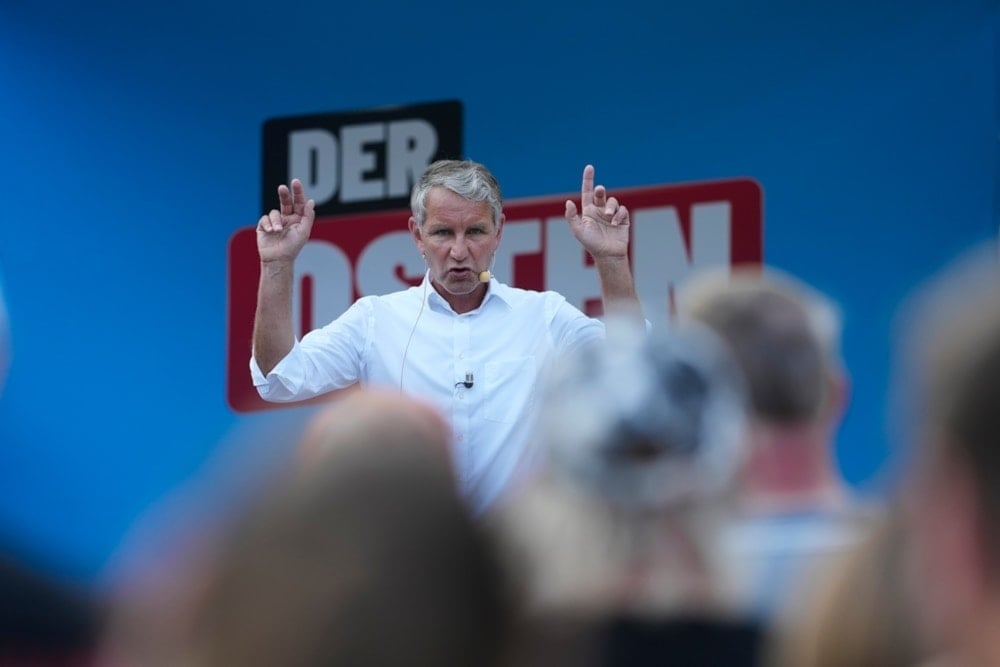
{"points": [[469, 180]]}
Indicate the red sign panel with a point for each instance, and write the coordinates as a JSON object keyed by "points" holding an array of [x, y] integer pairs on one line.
{"points": [[675, 229]]}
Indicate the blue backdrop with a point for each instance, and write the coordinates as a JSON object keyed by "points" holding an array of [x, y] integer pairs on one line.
{"points": [[130, 144]]}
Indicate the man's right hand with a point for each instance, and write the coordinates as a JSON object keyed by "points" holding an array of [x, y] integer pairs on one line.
{"points": [[281, 234]]}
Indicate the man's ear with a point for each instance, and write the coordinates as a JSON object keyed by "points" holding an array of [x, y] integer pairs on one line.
{"points": [[415, 233], [838, 395], [500, 222]]}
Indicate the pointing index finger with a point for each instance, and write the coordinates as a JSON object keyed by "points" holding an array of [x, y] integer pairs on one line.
{"points": [[298, 196], [587, 189]]}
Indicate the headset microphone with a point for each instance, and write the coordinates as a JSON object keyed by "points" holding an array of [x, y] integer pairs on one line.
{"points": [[485, 276]]}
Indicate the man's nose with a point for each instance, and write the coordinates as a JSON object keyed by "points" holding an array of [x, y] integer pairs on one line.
{"points": [[459, 248]]}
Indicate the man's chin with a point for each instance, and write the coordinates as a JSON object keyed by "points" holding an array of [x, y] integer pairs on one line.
{"points": [[459, 286]]}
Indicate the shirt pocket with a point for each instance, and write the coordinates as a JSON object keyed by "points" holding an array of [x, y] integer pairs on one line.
{"points": [[510, 386]]}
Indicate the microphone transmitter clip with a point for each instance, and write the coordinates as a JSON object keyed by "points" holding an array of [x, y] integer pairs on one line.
{"points": [[468, 382]]}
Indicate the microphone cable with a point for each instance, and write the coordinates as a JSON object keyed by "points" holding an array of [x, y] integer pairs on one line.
{"points": [[423, 301]]}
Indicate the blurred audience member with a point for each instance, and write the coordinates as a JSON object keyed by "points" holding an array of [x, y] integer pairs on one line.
{"points": [[615, 547], [794, 509], [856, 611], [953, 494], [365, 555], [43, 620], [376, 416]]}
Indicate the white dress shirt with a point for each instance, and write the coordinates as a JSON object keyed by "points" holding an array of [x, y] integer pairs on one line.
{"points": [[501, 348]]}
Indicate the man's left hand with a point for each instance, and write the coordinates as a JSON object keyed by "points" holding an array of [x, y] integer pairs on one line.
{"points": [[602, 227]]}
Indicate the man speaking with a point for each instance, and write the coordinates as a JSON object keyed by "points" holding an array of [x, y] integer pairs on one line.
{"points": [[462, 339]]}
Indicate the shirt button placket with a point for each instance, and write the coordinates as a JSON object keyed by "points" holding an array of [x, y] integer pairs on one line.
{"points": [[461, 409]]}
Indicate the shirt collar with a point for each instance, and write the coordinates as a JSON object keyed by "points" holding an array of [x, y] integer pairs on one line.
{"points": [[495, 291]]}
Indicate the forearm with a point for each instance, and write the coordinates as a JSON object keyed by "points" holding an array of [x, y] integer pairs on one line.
{"points": [[273, 336], [618, 286]]}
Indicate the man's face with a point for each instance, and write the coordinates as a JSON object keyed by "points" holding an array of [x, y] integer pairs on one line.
{"points": [[458, 239]]}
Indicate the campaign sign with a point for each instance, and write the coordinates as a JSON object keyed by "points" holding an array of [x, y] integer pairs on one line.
{"points": [[364, 160]]}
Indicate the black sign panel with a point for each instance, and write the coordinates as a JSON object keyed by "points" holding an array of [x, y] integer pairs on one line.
{"points": [[364, 160]]}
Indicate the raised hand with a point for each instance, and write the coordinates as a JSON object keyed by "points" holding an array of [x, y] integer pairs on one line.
{"points": [[281, 234], [602, 226]]}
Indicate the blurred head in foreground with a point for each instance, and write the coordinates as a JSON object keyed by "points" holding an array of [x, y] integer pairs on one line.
{"points": [[642, 435], [786, 339], [372, 421], [857, 610], [366, 555], [953, 496], [44, 620]]}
